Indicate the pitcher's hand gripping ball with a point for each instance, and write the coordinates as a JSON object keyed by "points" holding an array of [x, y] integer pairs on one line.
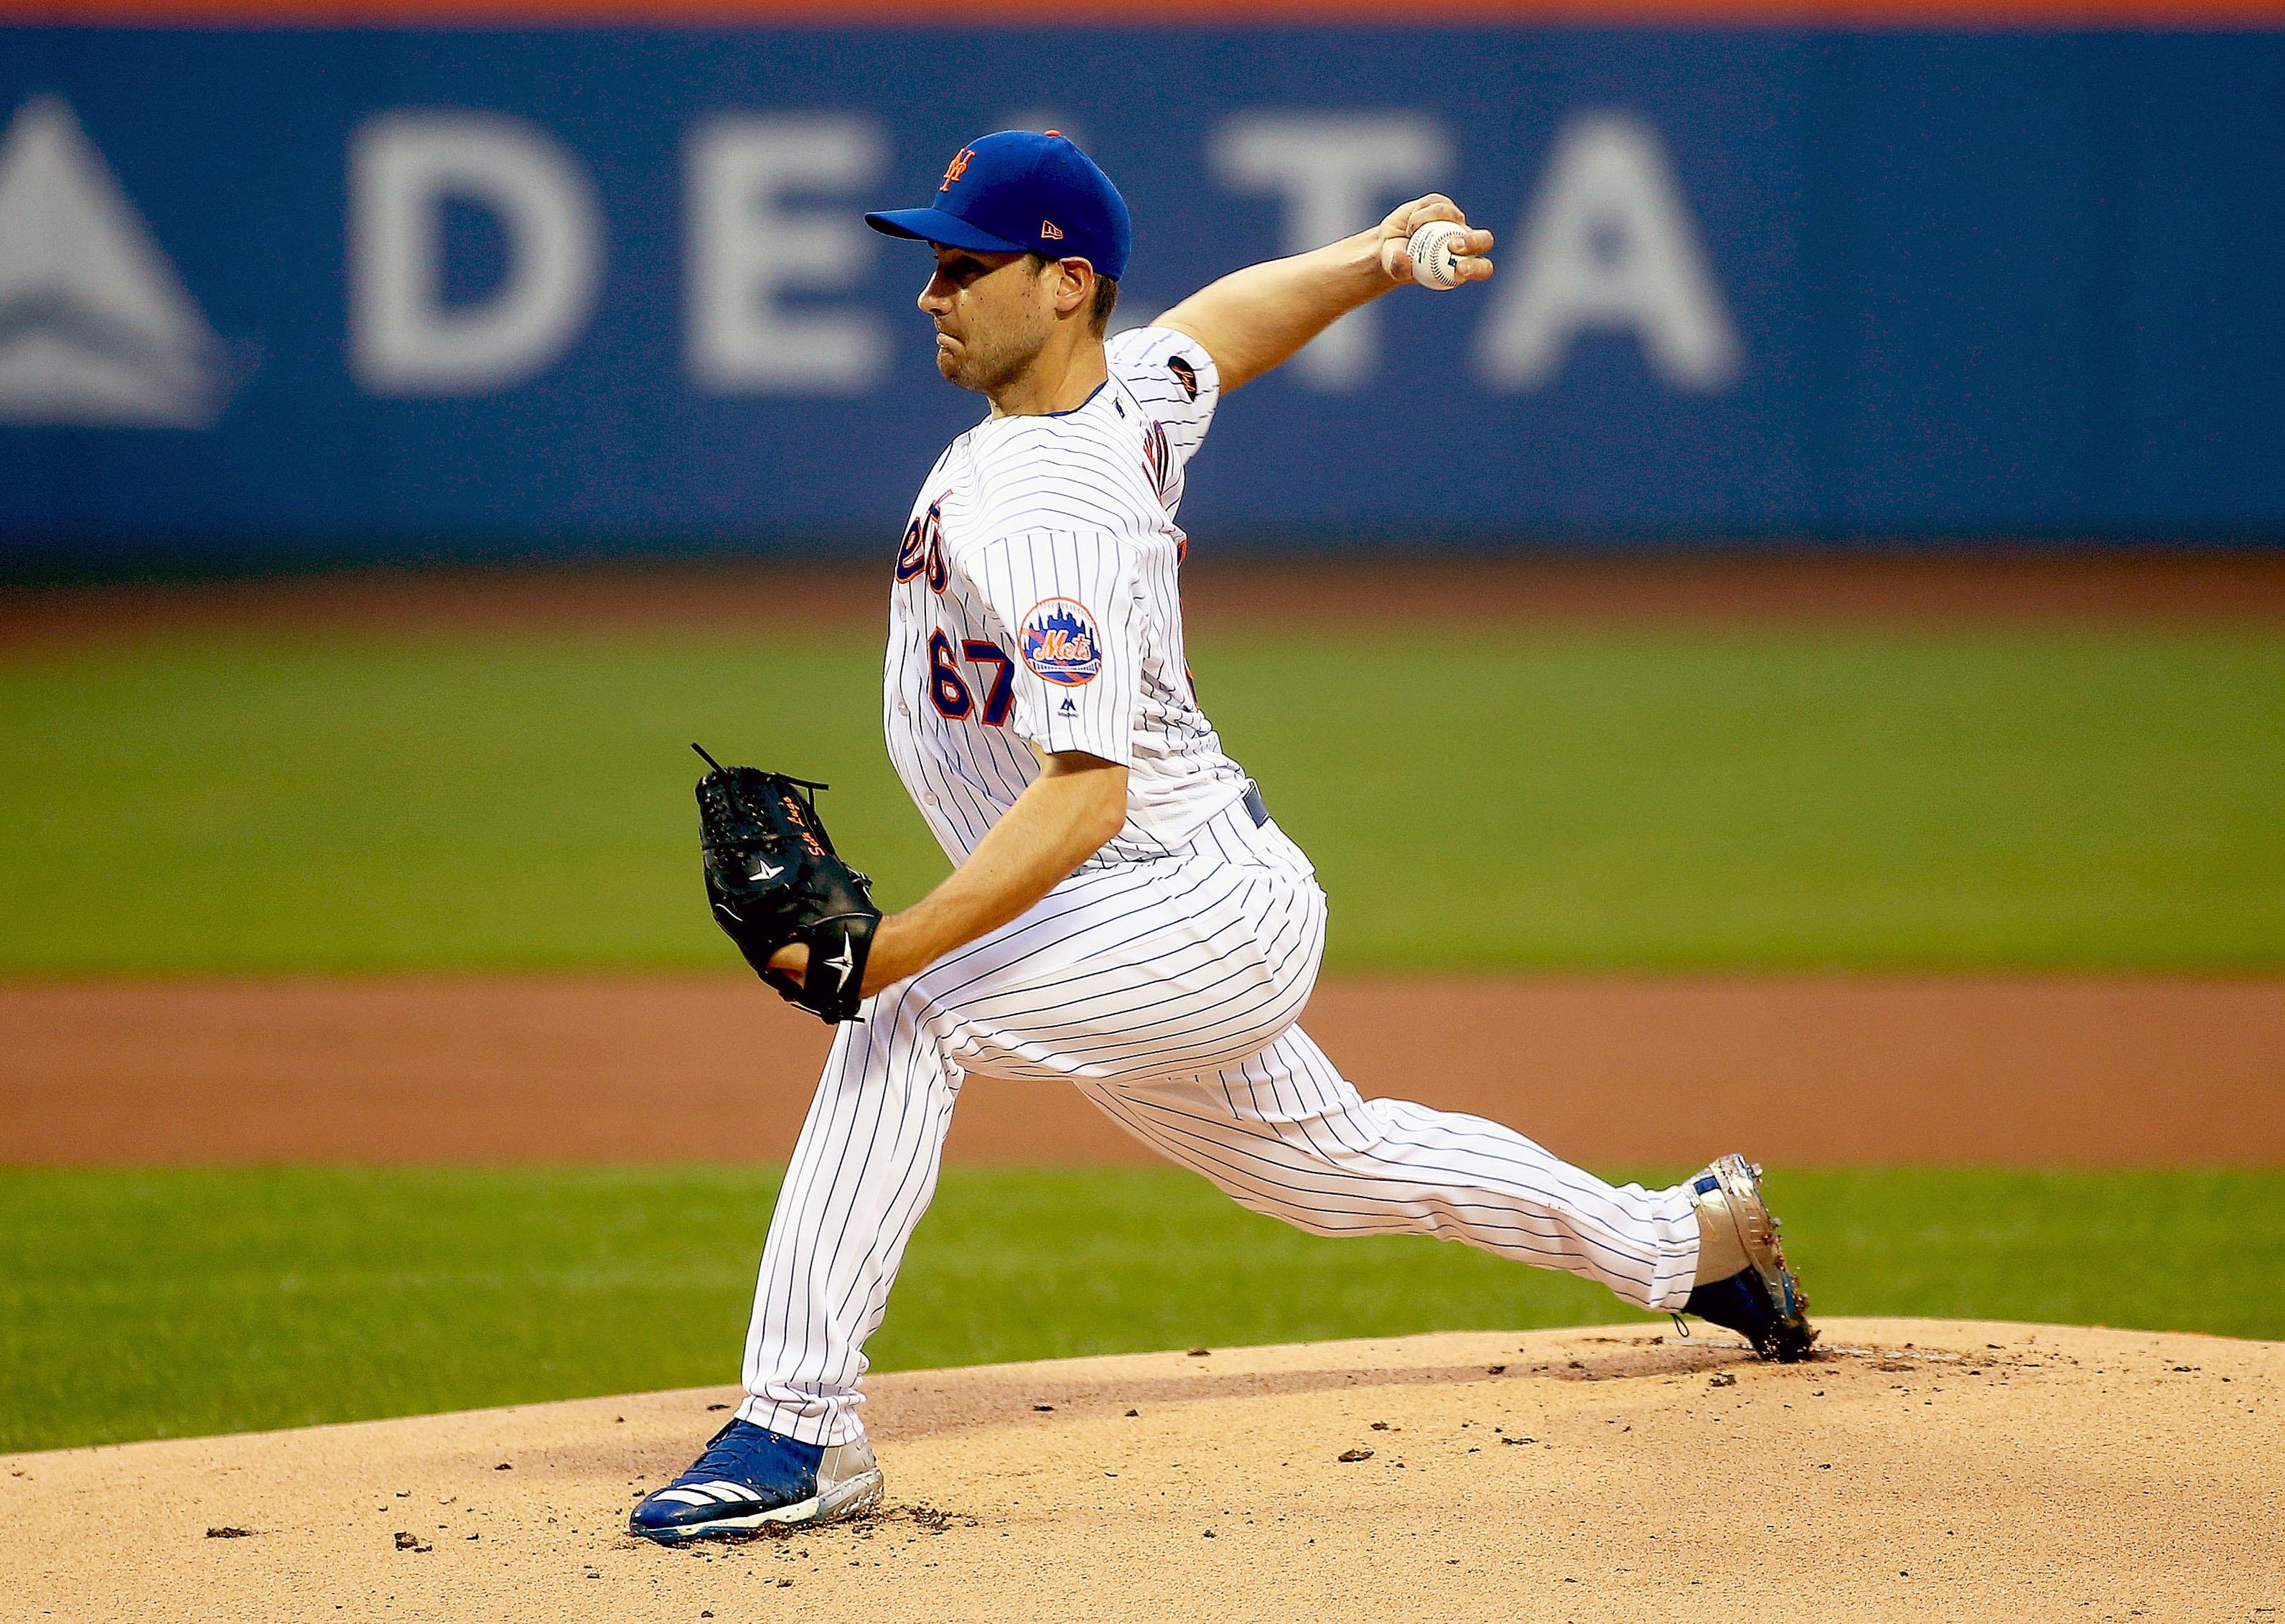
{"points": [[773, 877], [1435, 251]]}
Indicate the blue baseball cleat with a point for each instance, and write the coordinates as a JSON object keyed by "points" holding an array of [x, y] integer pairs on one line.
{"points": [[1763, 1302], [750, 1476]]}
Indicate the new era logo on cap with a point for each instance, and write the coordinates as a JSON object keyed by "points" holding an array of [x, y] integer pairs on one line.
{"points": [[1049, 230]]}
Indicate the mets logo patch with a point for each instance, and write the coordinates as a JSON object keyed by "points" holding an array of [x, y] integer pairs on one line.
{"points": [[1060, 644]]}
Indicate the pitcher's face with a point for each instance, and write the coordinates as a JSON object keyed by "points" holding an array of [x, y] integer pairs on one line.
{"points": [[993, 313]]}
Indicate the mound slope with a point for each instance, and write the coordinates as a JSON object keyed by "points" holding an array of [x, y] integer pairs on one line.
{"points": [[1918, 1470]]}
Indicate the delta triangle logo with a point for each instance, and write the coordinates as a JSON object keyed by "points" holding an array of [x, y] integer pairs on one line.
{"points": [[96, 329]]}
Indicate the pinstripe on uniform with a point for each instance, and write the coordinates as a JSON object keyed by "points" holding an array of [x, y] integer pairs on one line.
{"points": [[1164, 977]]}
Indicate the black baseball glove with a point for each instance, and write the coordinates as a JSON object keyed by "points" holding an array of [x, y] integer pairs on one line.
{"points": [[773, 877]]}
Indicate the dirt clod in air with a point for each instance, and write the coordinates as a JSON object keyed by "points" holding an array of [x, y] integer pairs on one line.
{"points": [[1353, 1455], [228, 1533]]}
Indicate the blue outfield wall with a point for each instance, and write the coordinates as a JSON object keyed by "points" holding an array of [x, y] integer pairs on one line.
{"points": [[385, 293]]}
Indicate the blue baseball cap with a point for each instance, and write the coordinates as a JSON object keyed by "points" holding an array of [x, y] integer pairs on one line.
{"points": [[1020, 192]]}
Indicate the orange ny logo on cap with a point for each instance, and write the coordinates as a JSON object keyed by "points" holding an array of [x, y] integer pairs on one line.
{"points": [[957, 167]]}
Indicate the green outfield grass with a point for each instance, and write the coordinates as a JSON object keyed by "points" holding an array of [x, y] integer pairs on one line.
{"points": [[170, 1303], [2091, 798]]}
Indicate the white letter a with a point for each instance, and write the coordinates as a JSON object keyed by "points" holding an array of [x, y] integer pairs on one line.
{"points": [[1609, 246]]}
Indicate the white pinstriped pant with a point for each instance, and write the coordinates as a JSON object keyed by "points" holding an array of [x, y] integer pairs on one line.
{"points": [[1165, 992]]}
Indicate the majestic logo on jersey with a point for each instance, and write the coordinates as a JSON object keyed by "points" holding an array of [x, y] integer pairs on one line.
{"points": [[1185, 374], [1050, 231], [1060, 644], [957, 167], [95, 327]]}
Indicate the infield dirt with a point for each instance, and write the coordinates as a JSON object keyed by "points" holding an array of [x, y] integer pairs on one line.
{"points": [[1802, 1070], [1915, 1470]]}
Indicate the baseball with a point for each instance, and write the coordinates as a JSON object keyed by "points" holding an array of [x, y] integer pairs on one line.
{"points": [[1434, 262]]}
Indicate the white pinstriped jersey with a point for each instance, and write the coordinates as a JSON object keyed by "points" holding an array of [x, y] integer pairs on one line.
{"points": [[1036, 602]]}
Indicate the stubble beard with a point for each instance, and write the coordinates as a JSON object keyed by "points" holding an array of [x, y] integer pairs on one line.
{"points": [[987, 368]]}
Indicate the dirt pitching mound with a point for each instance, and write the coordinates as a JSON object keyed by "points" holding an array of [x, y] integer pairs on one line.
{"points": [[1917, 1470]]}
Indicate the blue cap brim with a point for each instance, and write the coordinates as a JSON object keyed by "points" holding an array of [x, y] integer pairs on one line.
{"points": [[935, 225]]}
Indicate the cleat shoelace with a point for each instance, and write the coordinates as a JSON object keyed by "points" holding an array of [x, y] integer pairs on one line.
{"points": [[722, 1458]]}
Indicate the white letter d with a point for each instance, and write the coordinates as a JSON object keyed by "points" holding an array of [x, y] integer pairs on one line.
{"points": [[404, 338]]}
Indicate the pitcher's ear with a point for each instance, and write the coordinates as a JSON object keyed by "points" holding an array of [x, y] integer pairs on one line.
{"points": [[1076, 290]]}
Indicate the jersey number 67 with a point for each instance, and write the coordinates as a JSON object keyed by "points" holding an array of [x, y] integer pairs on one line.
{"points": [[948, 690]]}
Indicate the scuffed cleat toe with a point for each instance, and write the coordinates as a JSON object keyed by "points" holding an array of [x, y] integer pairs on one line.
{"points": [[1763, 1302]]}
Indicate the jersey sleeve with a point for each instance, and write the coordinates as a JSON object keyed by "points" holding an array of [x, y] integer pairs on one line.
{"points": [[1068, 603], [1173, 378]]}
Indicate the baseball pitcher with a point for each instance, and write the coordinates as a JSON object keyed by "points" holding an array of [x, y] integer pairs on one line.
{"points": [[1125, 917]]}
